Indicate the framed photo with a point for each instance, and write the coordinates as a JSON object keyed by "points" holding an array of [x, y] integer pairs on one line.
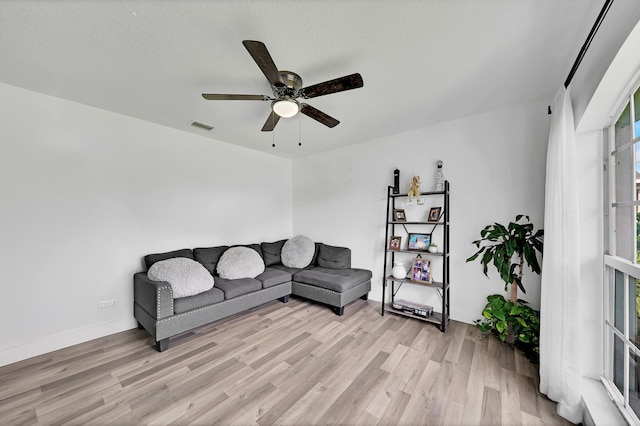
{"points": [[421, 270], [399, 215], [394, 243], [419, 242], [434, 214]]}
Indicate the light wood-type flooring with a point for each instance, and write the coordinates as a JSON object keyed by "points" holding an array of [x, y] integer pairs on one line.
{"points": [[292, 364]]}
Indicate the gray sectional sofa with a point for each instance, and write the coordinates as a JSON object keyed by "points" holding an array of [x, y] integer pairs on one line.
{"points": [[328, 279]]}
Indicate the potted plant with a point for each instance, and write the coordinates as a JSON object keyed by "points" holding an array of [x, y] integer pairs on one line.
{"points": [[508, 248], [433, 248]]}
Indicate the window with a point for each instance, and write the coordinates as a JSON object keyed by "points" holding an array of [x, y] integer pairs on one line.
{"points": [[622, 260]]}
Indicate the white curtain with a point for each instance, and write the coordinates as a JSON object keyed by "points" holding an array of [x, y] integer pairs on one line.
{"points": [[560, 361]]}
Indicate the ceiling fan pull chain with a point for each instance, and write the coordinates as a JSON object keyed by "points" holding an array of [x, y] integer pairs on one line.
{"points": [[299, 132]]}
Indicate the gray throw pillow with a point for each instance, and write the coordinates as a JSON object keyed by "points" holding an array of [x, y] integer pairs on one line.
{"points": [[209, 256], [271, 252], [240, 262], [334, 257], [298, 252], [187, 277]]}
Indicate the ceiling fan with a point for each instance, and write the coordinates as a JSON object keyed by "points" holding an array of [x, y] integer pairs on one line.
{"points": [[287, 88]]}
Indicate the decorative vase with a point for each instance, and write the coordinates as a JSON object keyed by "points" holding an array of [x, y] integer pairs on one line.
{"points": [[398, 271], [433, 249]]}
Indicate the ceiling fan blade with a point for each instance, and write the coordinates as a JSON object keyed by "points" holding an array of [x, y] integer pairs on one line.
{"points": [[260, 54], [271, 122], [218, 97], [318, 115], [348, 82]]}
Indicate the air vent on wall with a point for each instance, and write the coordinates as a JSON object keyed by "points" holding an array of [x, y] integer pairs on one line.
{"points": [[200, 125]]}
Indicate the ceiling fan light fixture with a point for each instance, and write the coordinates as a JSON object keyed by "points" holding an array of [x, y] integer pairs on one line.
{"points": [[286, 107]]}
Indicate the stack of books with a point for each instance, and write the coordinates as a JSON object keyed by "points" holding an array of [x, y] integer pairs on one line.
{"points": [[413, 308]]}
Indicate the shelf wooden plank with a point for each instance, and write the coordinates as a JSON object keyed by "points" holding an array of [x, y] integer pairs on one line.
{"points": [[435, 284], [435, 317], [416, 252], [393, 222], [422, 193]]}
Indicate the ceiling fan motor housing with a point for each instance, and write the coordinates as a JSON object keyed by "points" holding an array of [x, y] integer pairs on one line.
{"points": [[291, 84]]}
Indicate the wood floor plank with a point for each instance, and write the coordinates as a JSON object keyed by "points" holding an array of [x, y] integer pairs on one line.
{"points": [[510, 402], [417, 408], [289, 364], [390, 400], [458, 331], [396, 408], [394, 359], [296, 390], [453, 414], [492, 377], [358, 394], [491, 407], [476, 382], [528, 396]]}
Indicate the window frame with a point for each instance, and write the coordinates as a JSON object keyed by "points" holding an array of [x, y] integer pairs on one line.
{"points": [[630, 269]]}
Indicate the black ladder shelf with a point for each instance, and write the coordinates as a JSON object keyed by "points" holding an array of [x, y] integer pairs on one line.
{"points": [[442, 317]]}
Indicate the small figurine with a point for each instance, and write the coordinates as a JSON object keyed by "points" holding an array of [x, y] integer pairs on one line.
{"points": [[439, 177], [414, 189]]}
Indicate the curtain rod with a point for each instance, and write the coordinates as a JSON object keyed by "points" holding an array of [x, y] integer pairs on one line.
{"points": [[587, 43]]}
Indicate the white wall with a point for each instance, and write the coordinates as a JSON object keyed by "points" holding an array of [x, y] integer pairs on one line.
{"points": [[495, 163], [87, 193]]}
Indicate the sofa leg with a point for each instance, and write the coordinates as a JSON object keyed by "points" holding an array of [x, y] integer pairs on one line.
{"points": [[162, 345], [365, 297], [338, 310], [140, 327], [284, 299]]}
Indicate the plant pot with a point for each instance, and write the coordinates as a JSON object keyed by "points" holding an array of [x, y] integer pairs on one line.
{"points": [[433, 249]]}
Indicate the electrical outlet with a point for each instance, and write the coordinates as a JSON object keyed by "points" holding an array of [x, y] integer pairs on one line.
{"points": [[105, 304]]}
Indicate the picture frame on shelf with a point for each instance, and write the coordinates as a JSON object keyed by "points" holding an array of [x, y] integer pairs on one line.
{"points": [[434, 214], [395, 243], [399, 215], [418, 242], [421, 270]]}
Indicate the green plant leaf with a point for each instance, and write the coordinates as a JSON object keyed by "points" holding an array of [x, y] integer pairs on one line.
{"points": [[511, 248], [500, 315], [486, 258]]}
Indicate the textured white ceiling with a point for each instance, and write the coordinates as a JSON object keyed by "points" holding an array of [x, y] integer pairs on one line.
{"points": [[423, 62]]}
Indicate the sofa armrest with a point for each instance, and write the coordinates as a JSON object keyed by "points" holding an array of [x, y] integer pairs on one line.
{"points": [[155, 297]]}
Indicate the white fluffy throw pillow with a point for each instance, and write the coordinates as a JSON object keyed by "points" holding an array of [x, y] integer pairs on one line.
{"points": [[187, 277], [240, 262], [298, 252]]}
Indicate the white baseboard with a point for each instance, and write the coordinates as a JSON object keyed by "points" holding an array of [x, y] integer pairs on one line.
{"points": [[63, 340]]}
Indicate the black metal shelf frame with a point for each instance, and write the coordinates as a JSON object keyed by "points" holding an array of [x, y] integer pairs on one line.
{"points": [[441, 318]]}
